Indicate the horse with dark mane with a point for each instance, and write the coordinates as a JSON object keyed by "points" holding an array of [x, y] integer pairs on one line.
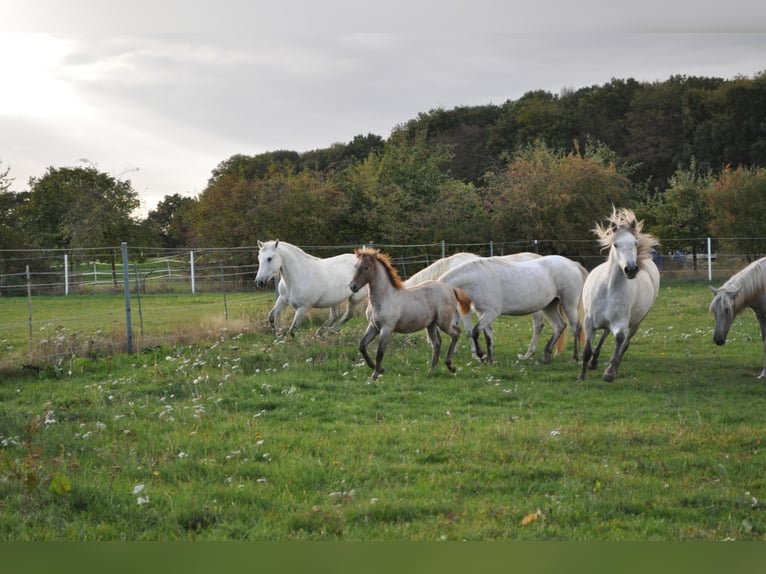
{"points": [[746, 288], [394, 308]]}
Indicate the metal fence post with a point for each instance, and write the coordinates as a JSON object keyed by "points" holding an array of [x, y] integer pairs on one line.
{"points": [[126, 282]]}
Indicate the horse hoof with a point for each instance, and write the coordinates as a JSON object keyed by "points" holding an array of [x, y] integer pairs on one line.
{"points": [[608, 377], [451, 368]]}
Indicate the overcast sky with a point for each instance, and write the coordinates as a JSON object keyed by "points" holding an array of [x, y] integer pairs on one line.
{"points": [[161, 92]]}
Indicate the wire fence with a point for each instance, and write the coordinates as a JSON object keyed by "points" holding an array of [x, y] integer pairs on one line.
{"points": [[133, 280]]}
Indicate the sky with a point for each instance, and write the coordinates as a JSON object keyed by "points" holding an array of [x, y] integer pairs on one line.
{"points": [[161, 92]]}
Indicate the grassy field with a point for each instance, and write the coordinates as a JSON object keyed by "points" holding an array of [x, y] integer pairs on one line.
{"points": [[247, 436]]}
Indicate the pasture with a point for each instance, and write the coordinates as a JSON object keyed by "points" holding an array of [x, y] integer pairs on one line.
{"points": [[241, 435]]}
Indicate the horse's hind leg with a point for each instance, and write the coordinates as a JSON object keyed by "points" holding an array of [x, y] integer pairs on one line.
{"points": [[537, 327], [454, 338], [367, 338], [334, 312], [762, 322], [435, 338], [557, 324]]}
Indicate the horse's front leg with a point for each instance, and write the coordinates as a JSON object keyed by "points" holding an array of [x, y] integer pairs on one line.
{"points": [[594, 360], [367, 338], [621, 343], [485, 321], [300, 315], [435, 338], [280, 304]]}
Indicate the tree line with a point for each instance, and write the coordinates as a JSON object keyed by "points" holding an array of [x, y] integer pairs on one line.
{"points": [[688, 154]]}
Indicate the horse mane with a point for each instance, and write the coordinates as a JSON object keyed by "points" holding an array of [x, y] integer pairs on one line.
{"points": [[385, 260], [749, 284], [625, 219]]}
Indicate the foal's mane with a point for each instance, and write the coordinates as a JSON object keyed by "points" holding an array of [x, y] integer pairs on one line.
{"points": [[385, 260], [625, 219], [749, 283]]}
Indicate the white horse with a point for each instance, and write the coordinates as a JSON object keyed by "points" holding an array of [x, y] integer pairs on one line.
{"points": [[441, 266], [394, 308], [309, 281], [281, 303], [746, 288], [497, 286], [618, 293]]}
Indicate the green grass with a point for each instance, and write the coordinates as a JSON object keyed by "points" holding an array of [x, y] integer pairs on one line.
{"points": [[249, 436]]}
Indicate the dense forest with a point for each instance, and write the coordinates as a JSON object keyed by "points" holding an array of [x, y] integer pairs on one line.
{"points": [[688, 154]]}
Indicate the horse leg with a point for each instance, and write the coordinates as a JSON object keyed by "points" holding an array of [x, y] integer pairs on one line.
{"points": [[334, 312], [594, 360], [573, 318], [350, 308], [435, 338], [367, 338], [454, 338], [557, 324], [481, 327], [587, 353], [300, 315], [468, 333], [762, 322], [621, 343], [385, 335], [489, 339], [537, 327], [280, 304]]}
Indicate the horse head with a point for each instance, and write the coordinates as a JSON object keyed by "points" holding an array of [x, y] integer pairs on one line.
{"points": [[364, 270], [269, 262], [625, 250], [722, 307]]}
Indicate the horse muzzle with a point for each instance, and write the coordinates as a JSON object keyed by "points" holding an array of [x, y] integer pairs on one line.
{"points": [[719, 339], [631, 271], [354, 287]]}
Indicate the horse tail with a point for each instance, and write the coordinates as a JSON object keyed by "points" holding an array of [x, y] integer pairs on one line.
{"points": [[463, 300]]}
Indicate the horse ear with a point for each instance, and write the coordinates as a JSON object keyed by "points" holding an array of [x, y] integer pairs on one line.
{"points": [[276, 244], [713, 289], [260, 244]]}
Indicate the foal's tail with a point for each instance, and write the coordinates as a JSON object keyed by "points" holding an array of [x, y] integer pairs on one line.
{"points": [[464, 301]]}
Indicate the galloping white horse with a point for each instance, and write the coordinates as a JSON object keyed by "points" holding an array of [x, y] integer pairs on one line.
{"points": [[498, 286], [618, 293], [394, 308], [441, 266], [309, 281], [746, 288]]}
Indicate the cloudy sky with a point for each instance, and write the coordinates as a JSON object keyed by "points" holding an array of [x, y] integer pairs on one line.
{"points": [[161, 92]]}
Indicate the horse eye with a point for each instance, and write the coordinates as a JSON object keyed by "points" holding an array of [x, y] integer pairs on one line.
{"points": [[268, 260]]}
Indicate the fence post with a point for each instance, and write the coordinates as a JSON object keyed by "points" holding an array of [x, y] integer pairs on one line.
{"points": [[191, 262], [126, 282], [709, 262], [444, 251], [66, 274], [29, 303]]}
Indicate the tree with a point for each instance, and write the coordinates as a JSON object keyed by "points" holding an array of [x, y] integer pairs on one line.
{"points": [[681, 213], [79, 207], [556, 197], [169, 219], [736, 202]]}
